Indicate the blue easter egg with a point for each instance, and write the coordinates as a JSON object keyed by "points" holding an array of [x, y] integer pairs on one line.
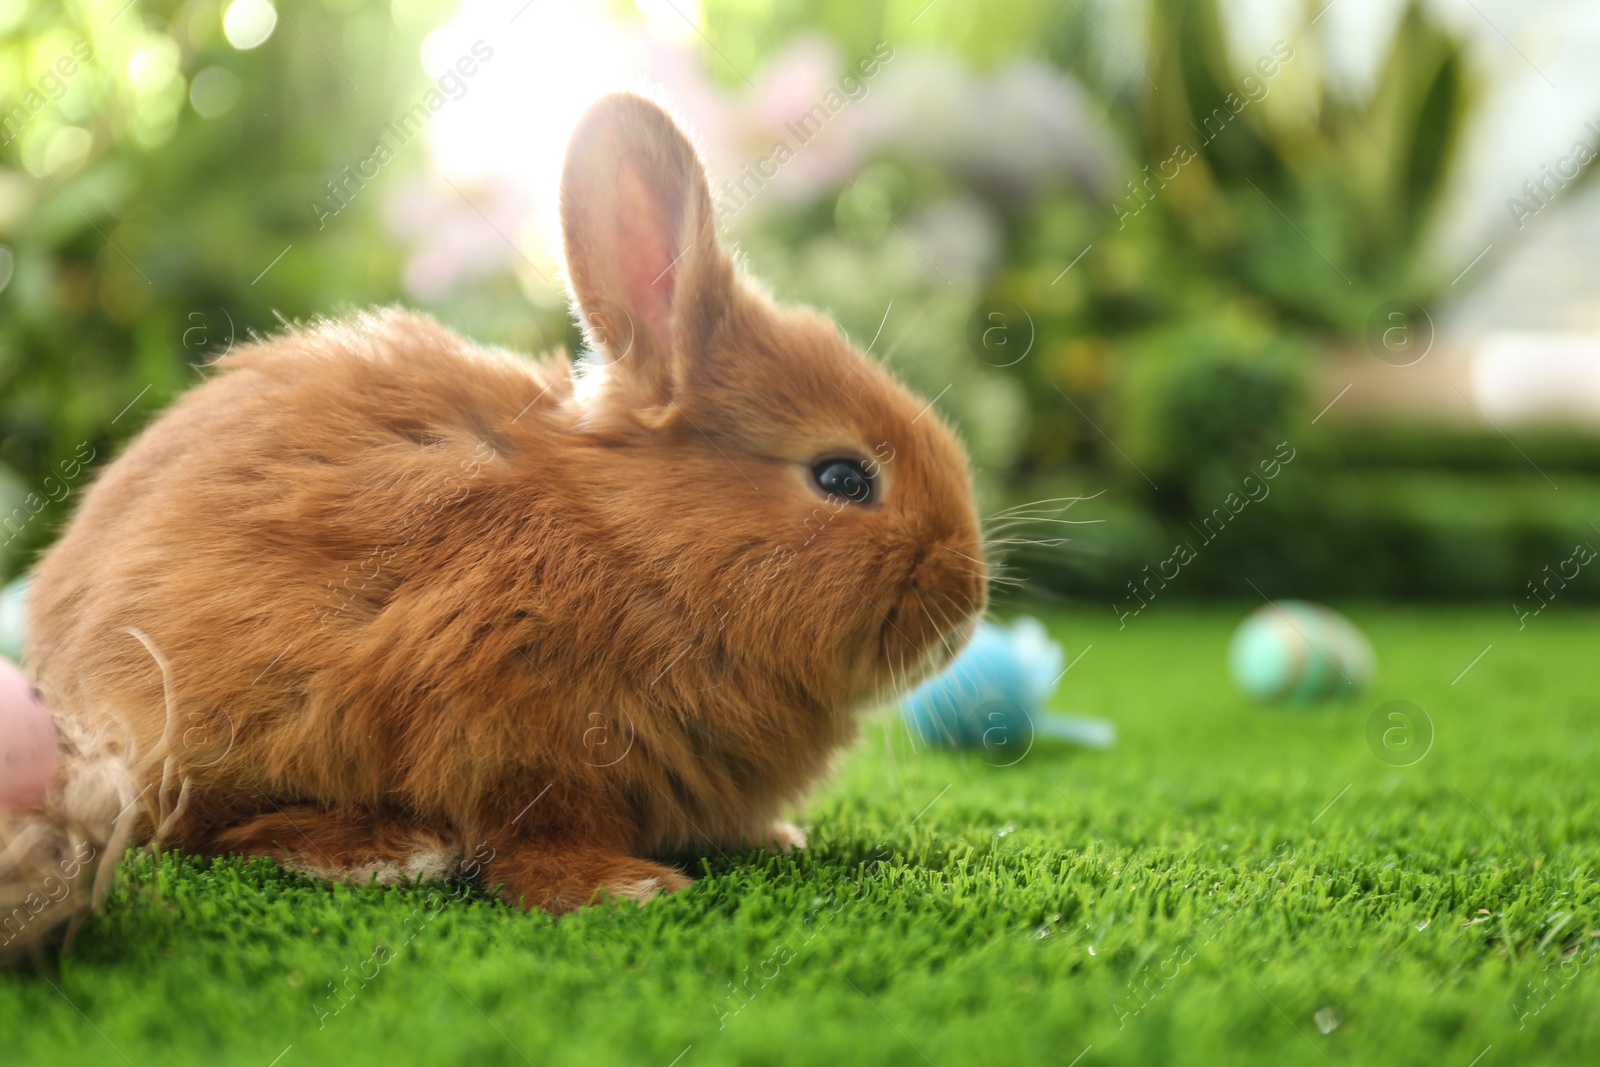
{"points": [[992, 697], [986, 692]]}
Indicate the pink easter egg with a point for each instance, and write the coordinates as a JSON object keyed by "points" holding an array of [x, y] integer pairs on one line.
{"points": [[28, 744]]}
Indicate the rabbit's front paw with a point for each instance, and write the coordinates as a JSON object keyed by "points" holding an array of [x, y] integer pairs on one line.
{"points": [[785, 837], [779, 837]]}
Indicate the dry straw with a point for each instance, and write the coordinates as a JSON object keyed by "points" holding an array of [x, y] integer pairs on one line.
{"points": [[58, 857]]}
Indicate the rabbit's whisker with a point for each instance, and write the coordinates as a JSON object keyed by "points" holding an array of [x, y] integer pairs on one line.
{"points": [[1023, 520], [937, 629], [1035, 542], [1070, 500], [963, 555]]}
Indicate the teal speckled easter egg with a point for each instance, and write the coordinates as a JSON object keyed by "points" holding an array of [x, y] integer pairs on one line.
{"points": [[1295, 653]]}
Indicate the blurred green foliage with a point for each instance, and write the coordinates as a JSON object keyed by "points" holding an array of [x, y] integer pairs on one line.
{"points": [[1204, 401], [1317, 207], [143, 232]]}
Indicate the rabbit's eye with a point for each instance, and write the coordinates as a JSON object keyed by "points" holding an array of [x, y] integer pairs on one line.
{"points": [[844, 477]]}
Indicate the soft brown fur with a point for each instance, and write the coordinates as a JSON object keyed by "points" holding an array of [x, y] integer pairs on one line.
{"points": [[423, 600]]}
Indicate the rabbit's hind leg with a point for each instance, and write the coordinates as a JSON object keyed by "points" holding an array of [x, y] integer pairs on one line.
{"points": [[559, 876], [344, 844]]}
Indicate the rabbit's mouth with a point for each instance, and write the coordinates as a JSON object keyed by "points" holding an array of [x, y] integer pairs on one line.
{"points": [[934, 618], [910, 655]]}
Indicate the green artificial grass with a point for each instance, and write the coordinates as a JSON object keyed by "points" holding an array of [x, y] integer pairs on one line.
{"points": [[1227, 885]]}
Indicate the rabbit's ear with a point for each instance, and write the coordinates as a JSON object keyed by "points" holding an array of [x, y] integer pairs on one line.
{"points": [[643, 262]]}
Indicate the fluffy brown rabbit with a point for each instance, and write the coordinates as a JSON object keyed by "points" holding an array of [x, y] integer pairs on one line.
{"points": [[391, 601]]}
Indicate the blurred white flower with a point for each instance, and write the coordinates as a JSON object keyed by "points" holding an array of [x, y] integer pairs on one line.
{"points": [[454, 241], [1008, 134], [960, 236]]}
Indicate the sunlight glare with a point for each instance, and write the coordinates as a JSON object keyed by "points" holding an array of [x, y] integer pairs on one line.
{"points": [[548, 66]]}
